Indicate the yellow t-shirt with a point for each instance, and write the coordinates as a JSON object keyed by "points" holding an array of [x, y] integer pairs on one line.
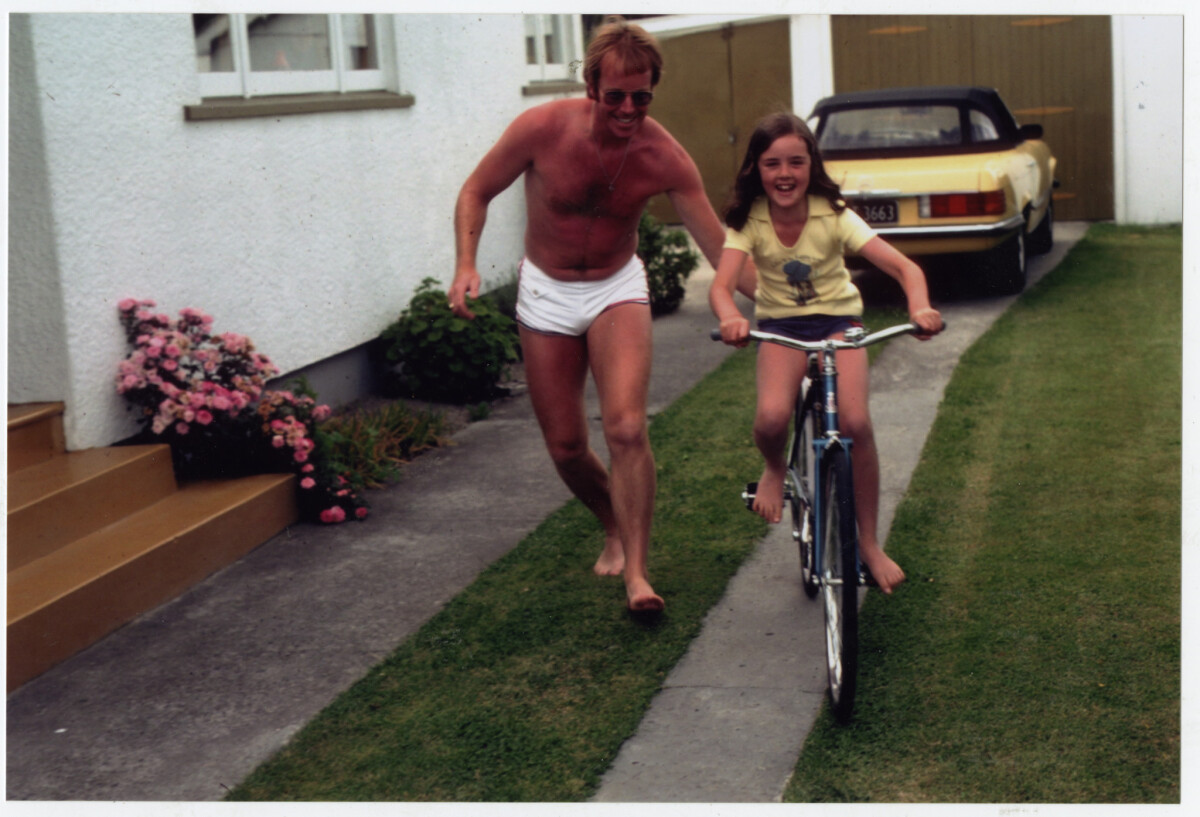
{"points": [[809, 278]]}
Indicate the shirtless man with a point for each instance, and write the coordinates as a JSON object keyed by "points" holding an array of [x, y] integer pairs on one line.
{"points": [[590, 165]]}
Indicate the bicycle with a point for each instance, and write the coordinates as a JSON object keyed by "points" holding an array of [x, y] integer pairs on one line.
{"points": [[819, 488]]}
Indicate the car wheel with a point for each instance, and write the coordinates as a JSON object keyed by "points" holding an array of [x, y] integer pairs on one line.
{"points": [[1041, 240], [1006, 266]]}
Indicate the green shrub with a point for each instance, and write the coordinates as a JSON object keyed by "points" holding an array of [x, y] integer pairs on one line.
{"points": [[669, 260], [446, 358], [504, 295]]}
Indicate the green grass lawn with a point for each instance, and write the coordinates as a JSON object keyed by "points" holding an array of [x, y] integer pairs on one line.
{"points": [[1041, 662]]}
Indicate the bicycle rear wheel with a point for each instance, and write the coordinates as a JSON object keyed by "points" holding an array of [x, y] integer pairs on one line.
{"points": [[839, 581]]}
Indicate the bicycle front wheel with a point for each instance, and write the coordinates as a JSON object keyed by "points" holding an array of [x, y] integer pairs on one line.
{"points": [[839, 581], [800, 482]]}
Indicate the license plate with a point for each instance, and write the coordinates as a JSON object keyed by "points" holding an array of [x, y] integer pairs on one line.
{"points": [[880, 211]]}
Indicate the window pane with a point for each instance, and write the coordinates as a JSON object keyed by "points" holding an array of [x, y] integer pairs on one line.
{"points": [[983, 129], [214, 45], [893, 127], [555, 25], [531, 37], [358, 33], [289, 42]]}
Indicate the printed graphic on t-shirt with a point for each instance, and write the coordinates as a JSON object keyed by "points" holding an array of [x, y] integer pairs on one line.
{"points": [[797, 274]]}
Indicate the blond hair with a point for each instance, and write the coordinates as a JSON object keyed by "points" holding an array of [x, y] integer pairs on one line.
{"points": [[634, 48]]}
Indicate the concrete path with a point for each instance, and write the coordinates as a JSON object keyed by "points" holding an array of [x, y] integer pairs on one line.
{"points": [[732, 716], [185, 701]]}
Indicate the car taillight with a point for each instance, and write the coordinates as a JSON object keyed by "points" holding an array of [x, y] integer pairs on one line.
{"points": [[949, 205]]}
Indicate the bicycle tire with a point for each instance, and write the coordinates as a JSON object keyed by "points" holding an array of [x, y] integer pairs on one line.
{"points": [[839, 582], [800, 483]]}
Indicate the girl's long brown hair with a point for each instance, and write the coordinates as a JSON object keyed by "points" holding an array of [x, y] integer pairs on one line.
{"points": [[748, 186]]}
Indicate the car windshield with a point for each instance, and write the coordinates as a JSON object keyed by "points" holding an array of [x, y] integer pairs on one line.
{"points": [[902, 127]]}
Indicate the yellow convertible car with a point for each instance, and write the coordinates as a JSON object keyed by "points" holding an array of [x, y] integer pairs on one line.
{"points": [[941, 170]]}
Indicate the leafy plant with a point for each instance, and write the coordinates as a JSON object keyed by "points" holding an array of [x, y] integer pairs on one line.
{"points": [[445, 358], [368, 446], [669, 260]]}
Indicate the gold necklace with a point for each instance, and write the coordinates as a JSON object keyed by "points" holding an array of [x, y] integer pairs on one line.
{"points": [[612, 182]]}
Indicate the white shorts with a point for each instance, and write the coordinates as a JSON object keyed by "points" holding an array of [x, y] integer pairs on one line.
{"points": [[555, 307]]}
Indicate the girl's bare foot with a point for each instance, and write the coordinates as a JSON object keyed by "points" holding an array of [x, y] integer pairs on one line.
{"points": [[768, 497], [612, 558], [887, 573]]}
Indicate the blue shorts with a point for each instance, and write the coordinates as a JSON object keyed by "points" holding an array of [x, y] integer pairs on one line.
{"points": [[810, 328]]}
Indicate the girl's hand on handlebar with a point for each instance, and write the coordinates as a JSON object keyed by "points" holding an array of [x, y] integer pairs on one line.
{"points": [[735, 331], [930, 322]]}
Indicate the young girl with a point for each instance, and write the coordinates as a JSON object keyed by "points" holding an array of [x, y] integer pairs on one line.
{"points": [[788, 215]]}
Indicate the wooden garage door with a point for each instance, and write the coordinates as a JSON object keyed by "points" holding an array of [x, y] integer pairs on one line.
{"points": [[716, 85], [1056, 71]]}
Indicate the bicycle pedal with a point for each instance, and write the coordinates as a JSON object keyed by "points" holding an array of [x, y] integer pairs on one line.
{"points": [[751, 492]]}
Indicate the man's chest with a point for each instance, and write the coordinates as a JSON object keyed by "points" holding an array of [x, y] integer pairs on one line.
{"points": [[577, 183]]}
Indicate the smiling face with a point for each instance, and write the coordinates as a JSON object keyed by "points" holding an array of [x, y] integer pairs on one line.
{"points": [[784, 170], [620, 120]]}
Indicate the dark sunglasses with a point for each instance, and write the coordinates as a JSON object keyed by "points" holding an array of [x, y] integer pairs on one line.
{"points": [[640, 98]]}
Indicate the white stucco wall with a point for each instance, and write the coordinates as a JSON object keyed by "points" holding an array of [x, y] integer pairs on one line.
{"points": [[307, 232], [1148, 113], [35, 315]]}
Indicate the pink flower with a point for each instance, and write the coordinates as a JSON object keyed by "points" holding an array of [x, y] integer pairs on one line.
{"points": [[127, 304], [181, 428], [332, 515], [301, 456], [308, 469], [361, 513], [277, 441], [322, 413], [307, 482], [130, 381], [204, 417]]}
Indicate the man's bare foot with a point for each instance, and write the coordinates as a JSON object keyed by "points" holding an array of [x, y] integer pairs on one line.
{"points": [[612, 558], [641, 597], [887, 573], [768, 497]]}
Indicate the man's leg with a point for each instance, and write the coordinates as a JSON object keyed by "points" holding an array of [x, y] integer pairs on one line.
{"points": [[556, 369], [619, 346]]}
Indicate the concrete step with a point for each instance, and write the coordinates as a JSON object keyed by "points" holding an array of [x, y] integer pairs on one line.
{"points": [[35, 434], [68, 598], [66, 497]]}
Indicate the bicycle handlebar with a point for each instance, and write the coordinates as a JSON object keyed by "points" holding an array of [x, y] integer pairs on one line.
{"points": [[823, 345]]}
